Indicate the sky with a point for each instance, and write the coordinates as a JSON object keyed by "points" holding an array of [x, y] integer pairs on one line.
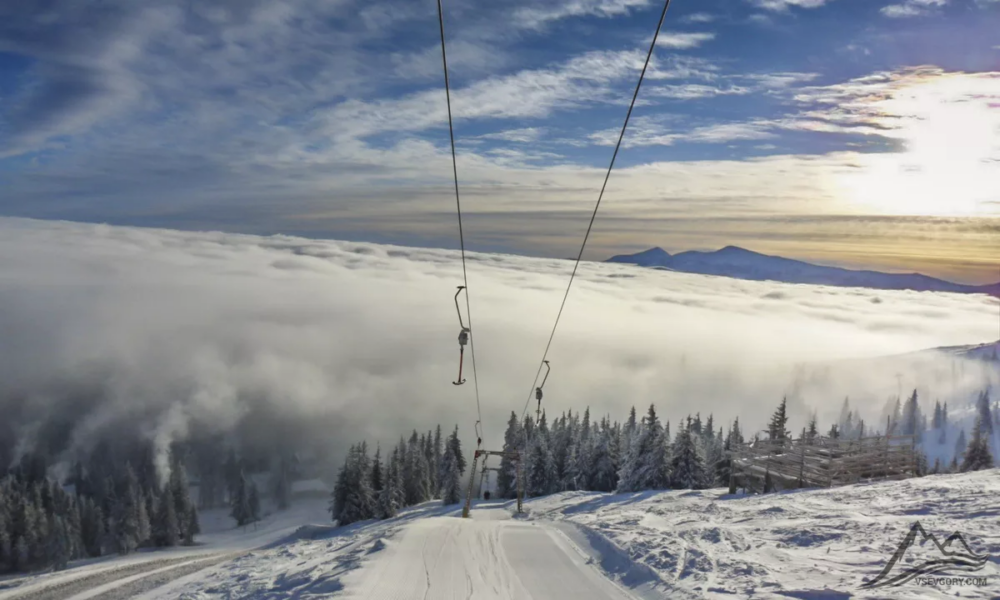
{"points": [[111, 329], [861, 133]]}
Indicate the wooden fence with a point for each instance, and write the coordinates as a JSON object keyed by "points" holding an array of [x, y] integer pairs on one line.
{"points": [[767, 466]]}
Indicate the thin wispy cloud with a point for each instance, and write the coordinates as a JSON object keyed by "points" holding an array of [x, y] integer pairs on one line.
{"points": [[912, 8], [700, 17], [537, 17], [783, 5]]}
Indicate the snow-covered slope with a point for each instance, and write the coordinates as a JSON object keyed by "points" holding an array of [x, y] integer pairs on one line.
{"points": [[740, 263], [815, 544]]}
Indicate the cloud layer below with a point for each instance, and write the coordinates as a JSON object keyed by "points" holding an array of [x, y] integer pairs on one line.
{"points": [[170, 330]]}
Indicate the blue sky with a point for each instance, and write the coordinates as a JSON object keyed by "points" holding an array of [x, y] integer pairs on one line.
{"points": [[854, 132]]}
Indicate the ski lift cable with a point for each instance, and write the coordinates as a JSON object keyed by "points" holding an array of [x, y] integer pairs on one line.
{"points": [[461, 235], [586, 236]]}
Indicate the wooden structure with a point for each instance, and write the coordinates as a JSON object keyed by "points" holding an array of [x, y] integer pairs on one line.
{"points": [[768, 466], [515, 456]]}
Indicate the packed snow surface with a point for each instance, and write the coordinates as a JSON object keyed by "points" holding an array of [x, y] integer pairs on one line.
{"points": [[809, 544]]}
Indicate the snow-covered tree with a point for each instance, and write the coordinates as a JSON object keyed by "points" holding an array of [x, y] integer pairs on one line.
{"points": [[416, 473], [455, 447], [646, 466], [391, 498], [603, 460], [687, 470], [977, 455], [507, 476], [353, 497], [437, 463], [451, 492], [540, 472]]}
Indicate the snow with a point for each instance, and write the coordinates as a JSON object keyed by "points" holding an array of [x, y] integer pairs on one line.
{"points": [[220, 538], [821, 543]]}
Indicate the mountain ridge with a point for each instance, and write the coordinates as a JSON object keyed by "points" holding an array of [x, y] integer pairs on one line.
{"points": [[740, 263]]}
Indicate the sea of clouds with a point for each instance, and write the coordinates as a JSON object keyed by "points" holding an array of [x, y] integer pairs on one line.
{"points": [[163, 331]]}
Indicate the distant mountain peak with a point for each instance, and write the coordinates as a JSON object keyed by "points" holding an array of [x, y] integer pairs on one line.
{"points": [[740, 263]]}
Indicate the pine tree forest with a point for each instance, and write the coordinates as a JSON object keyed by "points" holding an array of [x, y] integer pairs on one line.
{"points": [[577, 452]]}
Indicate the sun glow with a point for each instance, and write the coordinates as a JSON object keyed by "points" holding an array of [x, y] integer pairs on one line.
{"points": [[949, 128]]}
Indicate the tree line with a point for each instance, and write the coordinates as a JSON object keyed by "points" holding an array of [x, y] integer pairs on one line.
{"points": [[107, 505], [577, 453], [425, 467]]}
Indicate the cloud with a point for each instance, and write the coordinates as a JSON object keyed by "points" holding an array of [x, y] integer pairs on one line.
{"points": [[523, 135], [693, 91], [168, 332], [700, 17], [911, 8], [681, 41], [782, 5], [532, 17]]}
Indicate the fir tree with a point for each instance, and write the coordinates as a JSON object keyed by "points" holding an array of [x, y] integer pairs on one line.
{"points": [[377, 479], [603, 467], [910, 424], [239, 502], [984, 417], [646, 463], [628, 431], [165, 527], [960, 444], [415, 472], [455, 447], [253, 503], [977, 455], [812, 431], [358, 497], [126, 515], [507, 476], [779, 420], [145, 528], [451, 485], [438, 461], [184, 508], [390, 499], [59, 544], [539, 468], [687, 469]]}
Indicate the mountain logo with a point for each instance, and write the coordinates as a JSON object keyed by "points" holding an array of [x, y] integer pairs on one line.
{"points": [[954, 555]]}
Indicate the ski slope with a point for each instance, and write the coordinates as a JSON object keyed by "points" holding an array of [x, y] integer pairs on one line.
{"points": [[808, 544], [489, 556]]}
